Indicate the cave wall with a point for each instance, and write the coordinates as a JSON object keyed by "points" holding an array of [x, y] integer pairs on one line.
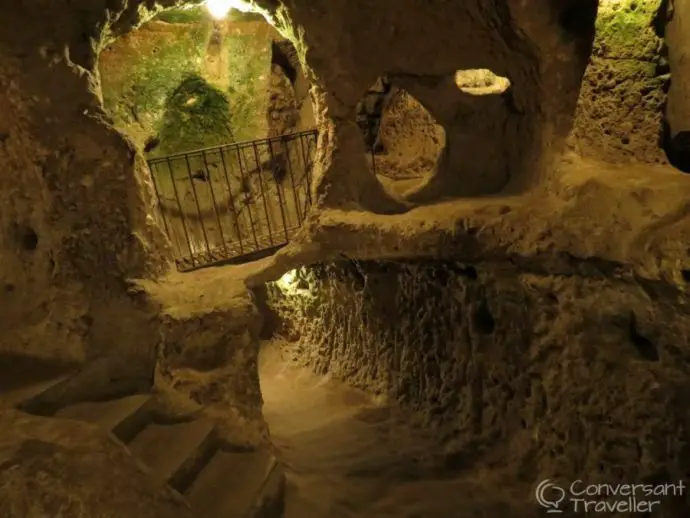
{"points": [[678, 108], [549, 374], [289, 102], [543, 59], [75, 197], [140, 70], [411, 139], [621, 105]]}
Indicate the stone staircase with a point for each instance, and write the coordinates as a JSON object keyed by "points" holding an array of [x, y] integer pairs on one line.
{"points": [[217, 481]]}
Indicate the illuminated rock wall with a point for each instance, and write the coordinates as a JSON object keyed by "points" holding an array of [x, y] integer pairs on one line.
{"points": [[556, 372]]}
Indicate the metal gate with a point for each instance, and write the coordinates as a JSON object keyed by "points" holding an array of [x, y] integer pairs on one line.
{"points": [[235, 201]]}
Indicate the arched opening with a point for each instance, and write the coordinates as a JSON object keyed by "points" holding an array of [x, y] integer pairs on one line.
{"points": [[402, 139], [220, 107], [481, 81], [430, 138]]}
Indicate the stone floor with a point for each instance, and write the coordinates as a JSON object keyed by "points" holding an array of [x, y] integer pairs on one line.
{"points": [[347, 455]]}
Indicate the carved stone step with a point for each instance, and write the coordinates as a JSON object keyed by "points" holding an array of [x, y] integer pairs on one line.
{"points": [[124, 417], [176, 453], [239, 485]]}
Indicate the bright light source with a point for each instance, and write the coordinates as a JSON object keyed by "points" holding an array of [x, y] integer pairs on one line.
{"points": [[220, 8], [481, 81], [287, 279]]}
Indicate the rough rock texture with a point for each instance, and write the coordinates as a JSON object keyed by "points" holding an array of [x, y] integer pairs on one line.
{"points": [[209, 331], [678, 108], [621, 104], [467, 167], [249, 51], [543, 60], [75, 197], [412, 140], [283, 114], [566, 341], [140, 70], [290, 107], [70, 469], [500, 358], [143, 69]]}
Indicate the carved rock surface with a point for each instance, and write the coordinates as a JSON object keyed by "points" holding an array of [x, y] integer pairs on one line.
{"points": [[348, 44], [70, 469], [549, 375]]}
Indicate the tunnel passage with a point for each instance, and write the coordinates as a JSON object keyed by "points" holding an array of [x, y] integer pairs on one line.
{"points": [[486, 356], [435, 137], [221, 109], [402, 138]]}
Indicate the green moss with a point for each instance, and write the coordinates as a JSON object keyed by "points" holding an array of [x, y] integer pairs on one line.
{"points": [[624, 29], [138, 97], [197, 115], [249, 62], [144, 70], [192, 15]]}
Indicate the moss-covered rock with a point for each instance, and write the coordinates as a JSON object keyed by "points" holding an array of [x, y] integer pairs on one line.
{"points": [[190, 15], [140, 72], [250, 65], [625, 30], [623, 91], [197, 114]]}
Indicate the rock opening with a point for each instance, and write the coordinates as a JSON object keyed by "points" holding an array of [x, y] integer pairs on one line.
{"points": [[402, 138]]}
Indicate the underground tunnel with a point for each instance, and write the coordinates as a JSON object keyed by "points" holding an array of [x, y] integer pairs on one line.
{"points": [[309, 258]]}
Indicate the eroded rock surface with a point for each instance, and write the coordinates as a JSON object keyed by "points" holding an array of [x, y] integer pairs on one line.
{"points": [[554, 375], [208, 348], [621, 104], [75, 197], [543, 60], [71, 469]]}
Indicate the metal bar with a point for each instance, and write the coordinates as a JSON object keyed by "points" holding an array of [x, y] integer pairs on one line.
{"points": [[215, 206], [228, 249], [160, 199], [249, 208], [263, 194], [229, 147], [184, 220], [295, 194], [198, 207], [280, 196], [231, 203], [305, 164]]}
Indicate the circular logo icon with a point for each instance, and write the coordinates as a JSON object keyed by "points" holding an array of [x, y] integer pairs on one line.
{"points": [[549, 496]]}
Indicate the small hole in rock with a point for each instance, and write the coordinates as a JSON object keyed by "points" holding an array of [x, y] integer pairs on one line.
{"points": [[644, 346], [686, 275], [467, 271], [28, 239], [483, 319]]}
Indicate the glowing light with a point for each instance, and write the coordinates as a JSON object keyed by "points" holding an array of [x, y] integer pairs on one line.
{"points": [[219, 9], [481, 81], [287, 279]]}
